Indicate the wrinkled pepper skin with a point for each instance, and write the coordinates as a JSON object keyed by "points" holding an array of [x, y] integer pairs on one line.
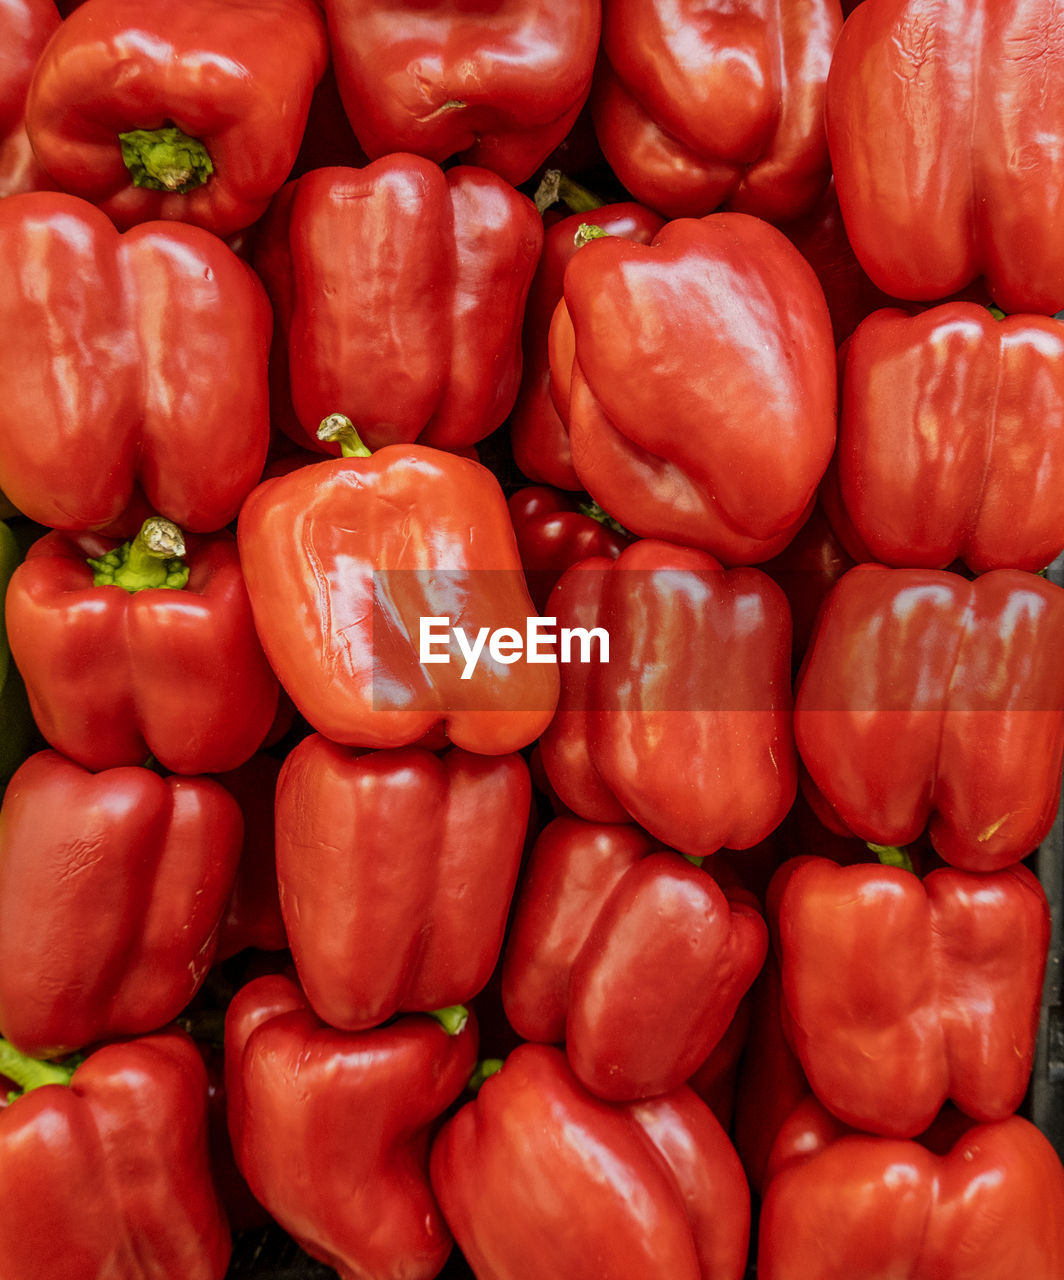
{"points": [[236, 77], [699, 106], [395, 871], [687, 730], [538, 436], [112, 886], [951, 439], [499, 84], [962, 82], [967, 1202], [554, 531], [25, 28], [344, 557], [887, 978], [399, 291], [697, 382], [537, 1177], [632, 955], [133, 369], [115, 677], [331, 1129], [109, 1176], [928, 701]]}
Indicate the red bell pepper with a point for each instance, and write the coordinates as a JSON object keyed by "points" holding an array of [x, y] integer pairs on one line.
{"points": [[807, 568], [633, 956], [929, 701], [194, 113], [111, 889], [538, 1179], [537, 434], [966, 1202], [104, 1169], [141, 649], [343, 559], [687, 729], [887, 978], [396, 870], [332, 1128], [951, 439], [701, 105], [770, 1084], [253, 916], [399, 291], [498, 84], [964, 84], [554, 531], [696, 376], [25, 28], [132, 364]]}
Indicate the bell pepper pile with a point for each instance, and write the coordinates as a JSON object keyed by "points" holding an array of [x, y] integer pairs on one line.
{"points": [[531, 690]]}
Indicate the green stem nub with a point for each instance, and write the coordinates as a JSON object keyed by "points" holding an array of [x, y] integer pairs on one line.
{"points": [[485, 1069], [591, 508], [165, 159], [586, 232], [892, 855], [152, 559], [556, 187], [30, 1073], [452, 1019], [338, 428]]}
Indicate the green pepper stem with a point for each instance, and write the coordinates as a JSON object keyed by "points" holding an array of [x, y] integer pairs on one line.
{"points": [[891, 855], [338, 428], [30, 1073], [556, 187], [591, 508], [152, 559], [485, 1068], [586, 232], [165, 159], [452, 1019]]}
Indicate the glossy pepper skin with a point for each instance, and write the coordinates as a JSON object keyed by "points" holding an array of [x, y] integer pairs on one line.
{"points": [[112, 886], [554, 531], [538, 436], [332, 1128], [343, 558], [632, 955], [959, 81], [928, 701], [696, 376], [116, 676], [536, 1177], [687, 729], [133, 370], [966, 1202], [887, 978], [235, 79], [25, 28], [399, 291], [951, 439], [498, 84], [395, 871], [700, 106], [109, 1175]]}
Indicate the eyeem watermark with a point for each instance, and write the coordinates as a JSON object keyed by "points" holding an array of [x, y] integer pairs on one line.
{"points": [[540, 642]]}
